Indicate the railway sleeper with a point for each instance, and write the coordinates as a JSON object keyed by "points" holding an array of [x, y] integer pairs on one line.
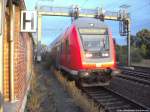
{"points": [[112, 100], [97, 93], [137, 73], [103, 97], [135, 79], [117, 108]]}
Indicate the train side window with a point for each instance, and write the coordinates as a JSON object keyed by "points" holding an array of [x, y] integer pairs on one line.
{"points": [[107, 42], [67, 46], [61, 47]]}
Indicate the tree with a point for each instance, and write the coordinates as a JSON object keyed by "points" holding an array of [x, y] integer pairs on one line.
{"points": [[144, 37], [133, 40]]}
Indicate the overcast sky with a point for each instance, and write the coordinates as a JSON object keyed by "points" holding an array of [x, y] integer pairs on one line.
{"points": [[53, 26]]}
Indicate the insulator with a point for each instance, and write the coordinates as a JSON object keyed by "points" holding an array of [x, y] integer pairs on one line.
{"points": [[101, 17], [16, 2]]}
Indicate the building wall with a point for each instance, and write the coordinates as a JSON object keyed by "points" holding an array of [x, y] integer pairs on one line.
{"points": [[23, 54]]}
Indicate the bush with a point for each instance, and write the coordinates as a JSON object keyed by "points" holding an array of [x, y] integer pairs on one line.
{"points": [[143, 50], [123, 59], [136, 55], [47, 61]]}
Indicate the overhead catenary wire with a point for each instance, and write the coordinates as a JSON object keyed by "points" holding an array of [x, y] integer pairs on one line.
{"points": [[119, 3], [82, 5], [141, 8]]}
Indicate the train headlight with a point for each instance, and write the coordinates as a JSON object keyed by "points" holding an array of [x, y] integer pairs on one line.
{"points": [[84, 74], [105, 54], [88, 55]]}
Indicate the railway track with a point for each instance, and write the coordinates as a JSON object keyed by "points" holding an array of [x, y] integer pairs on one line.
{"points": [[142, 69], [137, 75], [111, 101], [138, 69], [145, 70]]}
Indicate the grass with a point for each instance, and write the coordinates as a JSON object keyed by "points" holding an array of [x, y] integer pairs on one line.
{"points": [[80, 98], [40, 98], [143, 63], [33, 100]]}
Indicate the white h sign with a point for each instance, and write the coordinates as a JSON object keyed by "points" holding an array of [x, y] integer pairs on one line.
{"points": [[28, 21]]}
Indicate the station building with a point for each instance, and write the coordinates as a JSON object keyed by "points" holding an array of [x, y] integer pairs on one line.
{"points": [[16, 57]]}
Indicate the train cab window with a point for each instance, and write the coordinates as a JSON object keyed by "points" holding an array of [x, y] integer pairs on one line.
{"points": [[95, 40], [107, 42]]}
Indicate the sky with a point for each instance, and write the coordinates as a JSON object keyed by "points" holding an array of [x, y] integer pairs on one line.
{"points": [[53, 26]]}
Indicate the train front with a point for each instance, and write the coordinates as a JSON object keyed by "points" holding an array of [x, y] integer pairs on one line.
{"points": [[98, 53]]}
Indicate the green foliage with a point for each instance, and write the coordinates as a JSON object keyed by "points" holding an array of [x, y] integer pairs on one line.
{"points": [[142, 42], [47, 60], [44, 46], [133, 40], [140, 48], [136, 55], [144, 34], [121, 54], [143, 50]]}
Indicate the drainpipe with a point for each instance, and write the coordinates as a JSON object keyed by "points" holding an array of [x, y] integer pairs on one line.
{"points": [[2, 4], [12, 33]]}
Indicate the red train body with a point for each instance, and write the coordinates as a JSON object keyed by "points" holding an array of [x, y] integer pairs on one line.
{"points": [[85, 50]]}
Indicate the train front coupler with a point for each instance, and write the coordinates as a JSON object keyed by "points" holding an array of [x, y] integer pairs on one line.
{"points": [[115, 72]]}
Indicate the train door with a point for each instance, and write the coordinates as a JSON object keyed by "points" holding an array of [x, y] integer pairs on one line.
{"points": [[57, 56], [67, 51]]}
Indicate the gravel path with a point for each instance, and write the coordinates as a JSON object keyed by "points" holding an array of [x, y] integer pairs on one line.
{"points": [[47, 95], [64, 103]]}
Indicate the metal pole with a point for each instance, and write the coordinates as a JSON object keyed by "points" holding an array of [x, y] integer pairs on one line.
{"points": [[39, 27], [128, 43], [12, 32], [39, 37]]}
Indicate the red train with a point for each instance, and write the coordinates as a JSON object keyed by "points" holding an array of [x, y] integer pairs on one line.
{"points": [[85, 51]]}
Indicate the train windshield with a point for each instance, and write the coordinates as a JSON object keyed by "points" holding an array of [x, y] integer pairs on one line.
{"points": [[95, 41]]}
